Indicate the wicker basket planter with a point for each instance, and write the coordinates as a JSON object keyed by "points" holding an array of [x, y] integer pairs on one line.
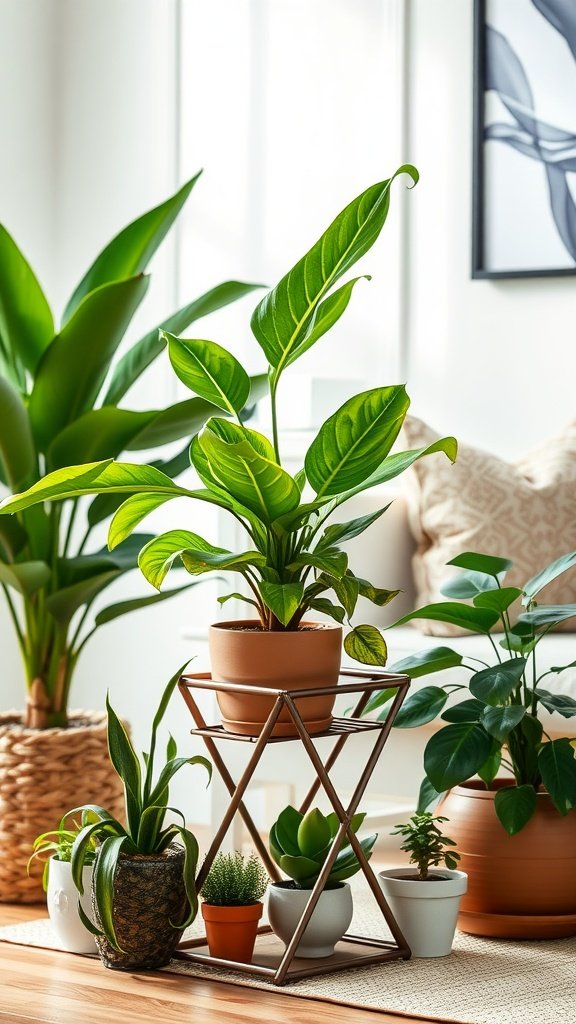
{"points": [[43, 774]]}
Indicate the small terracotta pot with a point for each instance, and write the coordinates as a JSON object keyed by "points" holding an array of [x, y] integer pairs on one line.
{"points": [[521, 886], [242, 652], [231, 931]]}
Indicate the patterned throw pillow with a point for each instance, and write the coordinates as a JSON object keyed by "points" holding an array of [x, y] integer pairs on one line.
{"points": [[524, 510]]}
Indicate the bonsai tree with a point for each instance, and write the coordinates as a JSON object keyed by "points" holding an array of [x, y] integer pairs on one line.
{"points": [[497, 724], [235, 881], [300, 844], [293, 562], [60, 388], [426, 844]]}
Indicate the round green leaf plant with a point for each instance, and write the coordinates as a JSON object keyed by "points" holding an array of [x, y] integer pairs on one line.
{"points": [[426, 843], [235, 881], [294, 562], [300, 844]]}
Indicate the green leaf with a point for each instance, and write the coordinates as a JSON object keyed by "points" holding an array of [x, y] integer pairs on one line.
{"points": [[327, 314], [334, 824], [337, 533], [347, 863], [126, 765], [210, 371], [558, 770], [560, 703], [455, 754], [350, 445], [145, 351], [17, 453], [190, 845], [198, 562], [465, 711], [170, 769], [436, 659], [235, 433], [488, 564], [346, 590], [283, 599], [298, 867], [395, 465], [478, 620], [63, 603], [72, 370], [547, 615], [114, 611], [236, 597], [331, 562], [374, 594], [286, 830], [515, 805], [25, 577], [160, 712], [379, 698], [491, 766], [131, 250], [498, 600], [421, 707], [326, 607], [494, 685], [26, 323], [131, 513], [284, 320], [428, 797], [366, 645], [83, 840], [13, 538], [500, 721], [156, 558], [467, 584], [313, 833], [551, 572], [103, 884]]}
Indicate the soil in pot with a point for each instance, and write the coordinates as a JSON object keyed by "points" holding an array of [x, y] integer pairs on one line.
{"points": [[521, 886], [242, 652], [231, 931]]}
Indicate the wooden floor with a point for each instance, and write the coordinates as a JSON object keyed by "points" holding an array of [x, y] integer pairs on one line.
{"points": [[51, 987]]}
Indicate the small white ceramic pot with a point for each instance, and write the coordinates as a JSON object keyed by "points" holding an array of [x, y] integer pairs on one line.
{"points": [[62, 898], [330, 918], [426, 912]]}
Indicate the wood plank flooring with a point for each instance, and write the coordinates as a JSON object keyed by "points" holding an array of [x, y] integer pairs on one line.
{"points": [[40, 986]]}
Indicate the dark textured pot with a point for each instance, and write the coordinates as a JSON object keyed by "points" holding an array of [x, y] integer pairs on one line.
{"points": [[149, 893]]}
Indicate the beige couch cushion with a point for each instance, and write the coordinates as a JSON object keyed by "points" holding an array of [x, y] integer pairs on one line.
{"points": [[524, 511]]}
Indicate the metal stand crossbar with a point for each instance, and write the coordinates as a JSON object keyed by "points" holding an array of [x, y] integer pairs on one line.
{"points": [[283, 966]]}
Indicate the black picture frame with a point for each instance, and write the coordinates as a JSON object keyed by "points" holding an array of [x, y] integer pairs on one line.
{"points": [[479, 269]]}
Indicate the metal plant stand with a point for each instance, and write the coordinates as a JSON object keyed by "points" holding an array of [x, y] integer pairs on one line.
{"points": [[271, 960]]}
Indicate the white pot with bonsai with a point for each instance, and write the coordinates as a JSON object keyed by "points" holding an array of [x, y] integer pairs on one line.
{"points": [[300, 844], [425, 903], [232, 905], [54, 849]]}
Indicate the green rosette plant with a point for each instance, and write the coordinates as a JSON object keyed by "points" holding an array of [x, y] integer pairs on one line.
{"points": [[145, 833], [426, 843], [294, 562], [61, 390], [497, 724], [300, 844]]}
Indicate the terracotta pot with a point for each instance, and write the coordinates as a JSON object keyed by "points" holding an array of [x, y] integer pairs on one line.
{"points": [[242, 652], [149, 901], [231, 931], [521, 886]]}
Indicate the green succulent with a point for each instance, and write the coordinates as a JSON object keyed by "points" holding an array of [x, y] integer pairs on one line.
{"points": [[425, 843], [235, 881], [300, 844]]}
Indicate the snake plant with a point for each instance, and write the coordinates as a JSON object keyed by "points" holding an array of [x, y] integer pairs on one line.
{"points": [[300, 844], [293, 558], [60, 390]]}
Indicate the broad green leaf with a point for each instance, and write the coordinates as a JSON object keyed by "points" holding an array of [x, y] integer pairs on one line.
{"points": [[210, 371], [298, 867], [313, 833], [145, 351], [72, 369], [26, 323], [366, 645], [350, 445], [515, 805], [199, 561], [130, 251], [156, 558], [558, 770], [334, 824], [560, 703], [236, 597], [428, 797], [337, 533], [13, 538], [347, 864], [466, 711], [334, 563], [346, 590], [376, 595], [256, 482], [500, 721], [131, 513], [547, 615], [286, 830], [283, 321], [326, 607], [467, 584], [488, 564], [551, 572], [421, 707], [181, 420], [491, 766], [327, 314], [283, 599], [494, 685], [379, 698], [62, 604], [478, 620], [17, 453], [234, 433], [437, 659], [499, 600], [25, 577], [114, 611], [395, 465], [455, 754]]}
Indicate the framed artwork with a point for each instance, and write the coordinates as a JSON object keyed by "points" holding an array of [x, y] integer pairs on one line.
{"points": [[524, 188]]}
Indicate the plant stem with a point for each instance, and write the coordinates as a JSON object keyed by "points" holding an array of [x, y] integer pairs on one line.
{"points": [[17, 626], [273, 386]]}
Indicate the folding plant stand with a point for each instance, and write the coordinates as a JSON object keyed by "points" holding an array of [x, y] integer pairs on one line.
{"points": [[271, 960]]}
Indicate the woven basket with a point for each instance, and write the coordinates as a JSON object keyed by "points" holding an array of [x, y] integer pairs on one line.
{"points": [[43, 774]]}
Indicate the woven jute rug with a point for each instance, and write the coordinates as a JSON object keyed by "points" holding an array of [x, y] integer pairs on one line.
{"points": [[483, 981]]}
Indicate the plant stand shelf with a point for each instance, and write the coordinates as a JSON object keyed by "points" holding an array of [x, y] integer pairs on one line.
{"points": [[271, 959]]}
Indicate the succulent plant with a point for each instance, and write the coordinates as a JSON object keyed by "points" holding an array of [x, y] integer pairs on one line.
{"points": [[235, 881], [300, 844]]}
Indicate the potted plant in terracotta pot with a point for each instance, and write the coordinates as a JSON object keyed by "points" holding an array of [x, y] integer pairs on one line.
{"points": [[54, 850], [143, 887], [511, 786], [425, 903], [300, 844], [231, 905], [60, 387], [293, 565]]}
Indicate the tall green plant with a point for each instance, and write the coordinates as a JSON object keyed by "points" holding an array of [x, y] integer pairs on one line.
{"points": [[294, 557], [59, 395]]}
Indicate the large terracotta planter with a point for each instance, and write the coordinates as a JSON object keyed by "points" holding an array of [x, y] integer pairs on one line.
{"points": [[43, 774], [521, 886], [242, 652], [231, 931]]}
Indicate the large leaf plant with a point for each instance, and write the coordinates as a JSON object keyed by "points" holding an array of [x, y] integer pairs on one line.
{"points": [[60, 389], [293, 563]]}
